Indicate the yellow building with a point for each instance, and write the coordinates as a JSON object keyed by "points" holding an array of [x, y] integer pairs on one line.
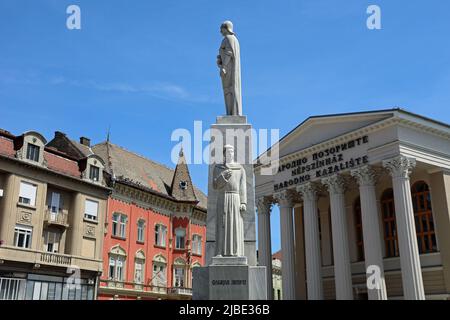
{"points": [[52, 206]]}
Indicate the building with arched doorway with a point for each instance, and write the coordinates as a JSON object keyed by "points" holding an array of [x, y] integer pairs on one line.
{"points": [[364, 202]]}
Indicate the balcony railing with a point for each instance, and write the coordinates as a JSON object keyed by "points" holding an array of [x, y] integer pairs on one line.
{"points": [[55, 258], [56, 216], [139, 287]]}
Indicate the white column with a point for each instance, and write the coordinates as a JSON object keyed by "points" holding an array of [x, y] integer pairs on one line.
{"points": [[286, 204], [312, 242], [342, 269], [265, 241], [400, 168], [373, 256]]}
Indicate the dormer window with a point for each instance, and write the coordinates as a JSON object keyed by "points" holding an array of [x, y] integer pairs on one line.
{"points": [[94, 173], [33, 152]]}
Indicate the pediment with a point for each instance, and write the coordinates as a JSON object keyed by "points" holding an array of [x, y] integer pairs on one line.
{"points": [[318, 129]]}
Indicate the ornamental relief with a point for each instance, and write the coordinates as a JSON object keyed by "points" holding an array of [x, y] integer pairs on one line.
{"points": [[24, 217], [89, 230]]}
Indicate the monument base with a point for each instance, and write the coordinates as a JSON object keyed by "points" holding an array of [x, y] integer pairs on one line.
{"points": [[226, 281]]}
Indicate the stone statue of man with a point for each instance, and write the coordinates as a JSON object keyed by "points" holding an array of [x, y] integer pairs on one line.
{"points": [[229, 63], [230, 180]]}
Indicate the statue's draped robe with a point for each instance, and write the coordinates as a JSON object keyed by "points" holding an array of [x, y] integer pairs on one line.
{"points": [[231, 82], [230, 224]]}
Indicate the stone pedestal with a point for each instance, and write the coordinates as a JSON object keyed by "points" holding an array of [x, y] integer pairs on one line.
{"points": [[233, 130], [229, 279]]}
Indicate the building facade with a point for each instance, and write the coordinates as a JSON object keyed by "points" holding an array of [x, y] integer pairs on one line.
{"points": [[52, 205], [364, 202], [155, 228], [276, 276]]}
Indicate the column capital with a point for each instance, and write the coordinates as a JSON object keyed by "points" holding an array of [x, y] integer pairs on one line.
{"points": [[284, 198], [365, 175], [400, 166], [264, 205], [335, 184], [308, 191]]}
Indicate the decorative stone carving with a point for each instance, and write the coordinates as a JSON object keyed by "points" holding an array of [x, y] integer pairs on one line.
{"points": [[284, 198], [264, 205], [24, 217], [400, 167], [366, 176], [308, 191], [89, 230], [335, 184]]}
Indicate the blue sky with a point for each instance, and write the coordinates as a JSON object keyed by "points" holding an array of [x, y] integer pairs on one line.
{"points": [[145, 68]]}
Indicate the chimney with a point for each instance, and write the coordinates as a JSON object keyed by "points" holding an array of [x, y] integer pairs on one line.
{"points": [[85, 141], [59, 134]]}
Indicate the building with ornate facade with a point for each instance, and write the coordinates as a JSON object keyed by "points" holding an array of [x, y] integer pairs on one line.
{"points": [[155, 227], [364, 202], [52, 205]]}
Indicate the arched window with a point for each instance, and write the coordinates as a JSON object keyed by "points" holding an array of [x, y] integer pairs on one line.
{"points": [[358, 229], [389, 226], [426, 238]]}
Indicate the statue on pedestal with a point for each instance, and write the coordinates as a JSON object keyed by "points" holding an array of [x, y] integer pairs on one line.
{"points": [[230, 180], [229, 63]]}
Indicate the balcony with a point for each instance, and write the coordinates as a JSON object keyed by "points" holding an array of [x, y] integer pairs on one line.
{"points": [[144, 290], [180, 291], [56, 216], [55, 259], [36, 257]]}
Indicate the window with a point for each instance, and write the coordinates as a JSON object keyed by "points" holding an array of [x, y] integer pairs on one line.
{"points": [[426, 238], [55, 202], [123, 225], [116, 268], [22, 236], [180, 235], [197, 244], [115, 224], [94, 173], [358, 229], [119, 222], [33, 152], [27, 193], [51, 241], [159, 275], [140, 230], [91, 209], [183, 185], [160, 235], [139, 271], [389, 226], [179, 277]]}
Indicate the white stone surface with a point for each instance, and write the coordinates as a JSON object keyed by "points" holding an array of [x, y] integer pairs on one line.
{"points": [[400, 168], [373, 254], [341, 254], [286, 204], [312, 242]]}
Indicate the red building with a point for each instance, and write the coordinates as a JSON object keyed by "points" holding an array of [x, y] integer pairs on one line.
{"points": [[155, 228]]}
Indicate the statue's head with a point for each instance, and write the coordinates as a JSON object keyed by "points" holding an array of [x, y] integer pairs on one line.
{"points": [[226, 28], [228, 153]]}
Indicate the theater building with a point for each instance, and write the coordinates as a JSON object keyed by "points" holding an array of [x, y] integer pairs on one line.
{"points": [[52, 204], [155, 228], [364, 201]]}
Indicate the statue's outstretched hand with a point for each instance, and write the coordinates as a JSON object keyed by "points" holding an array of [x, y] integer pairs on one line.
{"points": [[243, 207]]}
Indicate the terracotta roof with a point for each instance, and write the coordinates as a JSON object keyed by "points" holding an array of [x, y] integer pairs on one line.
{"points": [[62, 165], [131, 167], [277, 255]]}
